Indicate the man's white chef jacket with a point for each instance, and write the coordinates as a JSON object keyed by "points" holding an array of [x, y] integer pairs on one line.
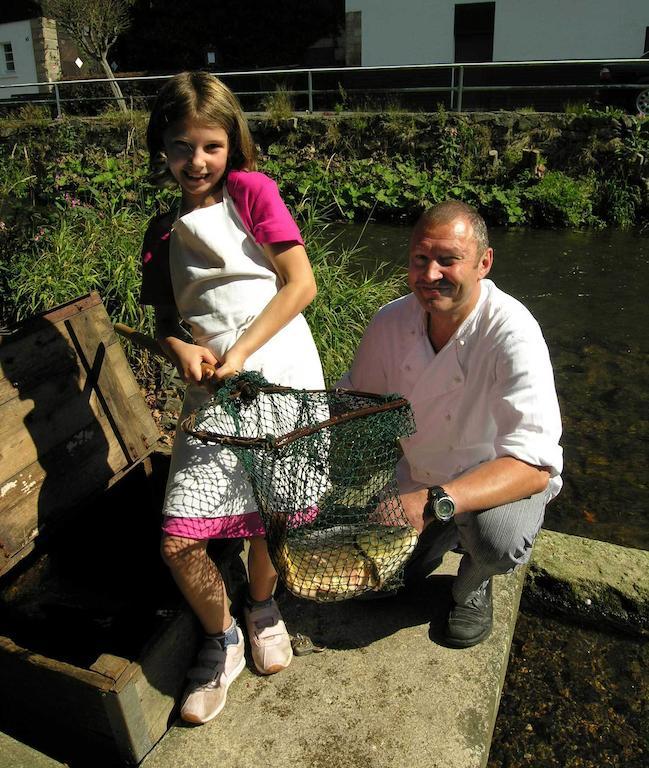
{"points": [[488, 393]]}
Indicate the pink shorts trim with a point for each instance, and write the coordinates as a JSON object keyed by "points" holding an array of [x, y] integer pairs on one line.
{"points": [[235, 527]]}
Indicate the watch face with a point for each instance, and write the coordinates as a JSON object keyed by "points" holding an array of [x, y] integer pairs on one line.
{"points": [[444, 508]]}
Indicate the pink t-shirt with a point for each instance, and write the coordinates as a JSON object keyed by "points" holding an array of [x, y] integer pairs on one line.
{"points": [[262, 212]]}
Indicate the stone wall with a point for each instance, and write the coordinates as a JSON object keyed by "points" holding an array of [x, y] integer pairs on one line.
{"points": [[46, 50]]}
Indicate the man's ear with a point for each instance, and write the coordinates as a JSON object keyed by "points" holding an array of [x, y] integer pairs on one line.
{"points": [[486, 260]]}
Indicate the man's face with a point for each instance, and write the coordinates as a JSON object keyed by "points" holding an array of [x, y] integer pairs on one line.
{"points": [[445, 268]]}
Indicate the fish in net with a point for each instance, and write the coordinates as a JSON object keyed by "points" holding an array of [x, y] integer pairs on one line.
{"points": [[321, 464]]}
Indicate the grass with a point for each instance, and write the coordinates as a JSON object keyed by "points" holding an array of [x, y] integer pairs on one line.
{"points": [[82, 248], [278, 105], [347, 297]]}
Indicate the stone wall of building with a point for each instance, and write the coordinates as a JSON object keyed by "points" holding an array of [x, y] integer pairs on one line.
{"points": [[46, 50]]}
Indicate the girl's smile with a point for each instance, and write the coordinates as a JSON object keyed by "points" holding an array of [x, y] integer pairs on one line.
{"points": [[197, 156]]}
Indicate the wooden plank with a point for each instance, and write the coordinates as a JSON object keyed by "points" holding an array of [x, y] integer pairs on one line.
{"points": [[51, 316], [59, 439], [110, 666], [71, 308], [134, 712], [59, 696], [93, 336], [26, 361], [57, 413], [14, 658], [39, 348], [45, 494], [148, 690]]}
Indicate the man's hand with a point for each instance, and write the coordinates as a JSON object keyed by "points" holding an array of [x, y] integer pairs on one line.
{"points": [[490, 484], [413, 505]]}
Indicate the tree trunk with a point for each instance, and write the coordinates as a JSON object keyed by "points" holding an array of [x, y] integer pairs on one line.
{"points": [[114, 85]]}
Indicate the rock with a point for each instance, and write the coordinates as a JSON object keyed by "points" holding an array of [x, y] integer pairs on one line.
{"points": [[590, 581]]}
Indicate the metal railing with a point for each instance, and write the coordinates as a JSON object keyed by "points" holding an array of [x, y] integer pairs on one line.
{"points": [[327, 88]]}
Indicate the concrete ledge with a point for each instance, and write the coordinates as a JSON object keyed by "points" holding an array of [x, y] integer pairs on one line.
{"points": [[382, 694], [590, 581], [15, 754]]}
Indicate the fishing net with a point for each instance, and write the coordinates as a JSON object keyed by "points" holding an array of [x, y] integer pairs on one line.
{"points": [[322, 468]]}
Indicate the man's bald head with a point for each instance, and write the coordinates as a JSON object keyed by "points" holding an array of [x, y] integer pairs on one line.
{"points": [[449, 211]]}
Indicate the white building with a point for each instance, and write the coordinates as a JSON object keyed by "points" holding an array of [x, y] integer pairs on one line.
{"points": [[29, 53], [381, 32]]}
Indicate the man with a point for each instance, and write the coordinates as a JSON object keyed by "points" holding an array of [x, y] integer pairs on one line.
{"points": [[486, 458]]}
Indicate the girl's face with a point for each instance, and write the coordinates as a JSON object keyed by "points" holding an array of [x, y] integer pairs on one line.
{"points": [[197, 156]]}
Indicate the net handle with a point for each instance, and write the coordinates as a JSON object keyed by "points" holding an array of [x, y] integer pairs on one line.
{"points": [[270, 442], [143, 341]]}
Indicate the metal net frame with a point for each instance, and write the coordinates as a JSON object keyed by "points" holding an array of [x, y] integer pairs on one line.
{"points": [[321, 464]]}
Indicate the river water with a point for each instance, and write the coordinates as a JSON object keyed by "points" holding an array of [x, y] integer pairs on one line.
{"points": [[575, 697]]}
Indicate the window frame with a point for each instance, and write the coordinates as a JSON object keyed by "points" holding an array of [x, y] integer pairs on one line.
{"points": [[8, 60]]}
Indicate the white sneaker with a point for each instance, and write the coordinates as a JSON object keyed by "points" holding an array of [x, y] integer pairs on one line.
{"points": [[209, 680], [269, 641]]}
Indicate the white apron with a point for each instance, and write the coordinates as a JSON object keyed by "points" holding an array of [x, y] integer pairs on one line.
{"points": [[222, 280]]}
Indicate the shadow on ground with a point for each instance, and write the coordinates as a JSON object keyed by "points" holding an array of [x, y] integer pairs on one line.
{"points": [[359, 623]]}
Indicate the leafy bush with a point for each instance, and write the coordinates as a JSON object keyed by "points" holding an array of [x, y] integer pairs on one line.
{"points": [[559, 201]]}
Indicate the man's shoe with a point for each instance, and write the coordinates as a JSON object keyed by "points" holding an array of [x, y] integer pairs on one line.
{"points": [[269, 641], [210, 679], [471, 622]]}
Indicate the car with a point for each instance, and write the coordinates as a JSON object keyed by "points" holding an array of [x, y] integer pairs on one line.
{"points": [[617, 82]]}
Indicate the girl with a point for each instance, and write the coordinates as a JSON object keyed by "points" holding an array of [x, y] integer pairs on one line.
{"points": [[231, 263]]}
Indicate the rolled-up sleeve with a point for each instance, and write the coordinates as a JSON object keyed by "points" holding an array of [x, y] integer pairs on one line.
{"points": [[524, 403]]}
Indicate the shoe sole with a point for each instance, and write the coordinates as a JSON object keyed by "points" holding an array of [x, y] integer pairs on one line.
{"points": [[455, 642], [194, 719], [275, 668]]}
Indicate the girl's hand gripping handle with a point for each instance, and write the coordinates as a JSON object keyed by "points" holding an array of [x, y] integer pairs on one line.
{"points": [[148, 342]]}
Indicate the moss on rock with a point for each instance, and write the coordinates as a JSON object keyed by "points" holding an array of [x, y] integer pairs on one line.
{"points": [[590, 581]]}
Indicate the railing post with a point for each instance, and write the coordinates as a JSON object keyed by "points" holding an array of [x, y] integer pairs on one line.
{"points": [[310, 87], [452, 100], [57, 96], [460, 86]]}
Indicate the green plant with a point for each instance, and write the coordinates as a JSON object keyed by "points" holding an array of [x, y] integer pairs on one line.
{"points": [[35, 113], [348, 296], [502, 206], [343, 104], [557, 200], [617, 201], [583, 109], [278, 105]]}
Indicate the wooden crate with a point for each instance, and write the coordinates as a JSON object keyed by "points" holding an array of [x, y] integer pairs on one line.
{"points": [[79, 550]]}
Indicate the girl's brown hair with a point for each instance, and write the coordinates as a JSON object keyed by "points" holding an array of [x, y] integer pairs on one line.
{"points": [[204, 98]]}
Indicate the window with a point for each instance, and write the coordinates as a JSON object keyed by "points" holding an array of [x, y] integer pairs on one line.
{"points": [[8, 63]]}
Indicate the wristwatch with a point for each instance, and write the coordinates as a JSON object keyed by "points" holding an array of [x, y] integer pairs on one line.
{"points": [[440, 504]]}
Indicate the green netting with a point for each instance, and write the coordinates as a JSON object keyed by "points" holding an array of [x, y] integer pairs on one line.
{"points": [[322, 467]]}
